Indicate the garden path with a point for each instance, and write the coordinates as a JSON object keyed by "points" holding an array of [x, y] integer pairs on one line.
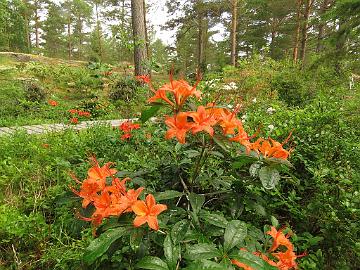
{"points": [[39, 129]]}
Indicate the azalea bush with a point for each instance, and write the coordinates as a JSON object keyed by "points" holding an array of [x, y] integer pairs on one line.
{"points": [[198, 223]]}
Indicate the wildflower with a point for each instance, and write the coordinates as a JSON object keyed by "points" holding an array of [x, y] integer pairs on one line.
{"points": [[83, 113], [202, 121], [147, 212], [254, 100], [242, 265], [129, 198], [128, 126], [52, 103], [74, 120], [73, 111], [100, 173], [45, 145], [279, 239], [271, 127], [178, 126], [143, 78], [270, 148], [270, 110], [125, 136]]}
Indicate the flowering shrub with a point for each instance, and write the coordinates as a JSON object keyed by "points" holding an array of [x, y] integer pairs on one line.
{"points": [[192, 232], [52, 102], [126, 127], [76, 115]]}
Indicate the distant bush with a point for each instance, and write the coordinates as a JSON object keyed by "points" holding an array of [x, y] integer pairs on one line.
{"points": [[123, 88], [34, 91]]}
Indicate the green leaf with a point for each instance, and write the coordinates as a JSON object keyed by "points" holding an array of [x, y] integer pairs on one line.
{"points": [[223, 142], [254, 169], [196, 201], [171, 252], [269, 177], [135, 239], [252, 260], [242, 161], [235, 233], [148, 113], [274, 221], [214, 219], [206, 265], [216, 153], [152, 263], [279, 161], [101, 244], [167, 195], [202, 251], [192, 153], [179, 231]]}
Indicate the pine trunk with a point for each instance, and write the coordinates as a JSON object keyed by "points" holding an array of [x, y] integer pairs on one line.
{"points": [[323, 8], [37, 42], [69, 37], [305, 31], [233, 32], [139, 36], [297, 31]]}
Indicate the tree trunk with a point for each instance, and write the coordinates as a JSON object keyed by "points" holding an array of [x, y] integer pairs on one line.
{"points": [[233, 32], [273, 36], [323, 8], [37, 43], [146, 34], [69, 37], [200, 55], [98, 30], [305, 31], [139, 36], [297, 31]]}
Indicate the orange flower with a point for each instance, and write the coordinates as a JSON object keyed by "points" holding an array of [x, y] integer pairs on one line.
{"points": [[161, 94], [178, 126], [125, 136], [279, 239], [286, 259], [52, 103], [147, 212], [88, 191], [218, 113], [128, 126], [100, 173], [129, 198], [73, 111], [243, 138], [229, 122], [74, 120], [86, 114], [144, 78], [242, 265], [180, 89], [270, 148], [202, 121]]}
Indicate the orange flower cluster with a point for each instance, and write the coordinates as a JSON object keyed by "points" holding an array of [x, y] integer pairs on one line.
{"points": [[127, 127], [79, 113], [206, 118], [52, 103], [285, 260], [115, 199], [74, 120]]}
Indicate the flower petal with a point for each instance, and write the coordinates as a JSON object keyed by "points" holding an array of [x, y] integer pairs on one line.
{"points": [[139, 208], [138, 221]]}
